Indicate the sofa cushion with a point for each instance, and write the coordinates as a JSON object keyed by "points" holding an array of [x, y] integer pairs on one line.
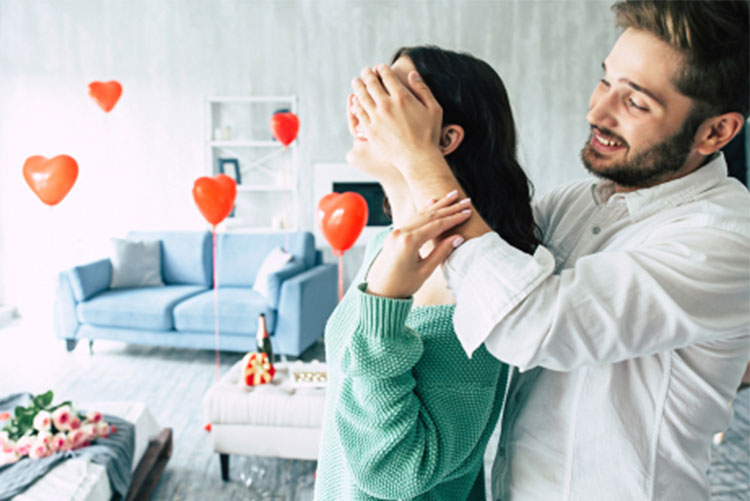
{"points": [[135, 263], [186, 256], [142, 308], [274, 261], [239, 309], [239, 255]]}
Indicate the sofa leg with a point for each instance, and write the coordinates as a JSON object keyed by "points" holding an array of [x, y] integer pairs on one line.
{"points": [[91, 346], [70, 344], [224, 459]]}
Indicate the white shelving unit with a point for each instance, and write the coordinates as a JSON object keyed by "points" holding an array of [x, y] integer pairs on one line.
{"points": [[237, 127]]}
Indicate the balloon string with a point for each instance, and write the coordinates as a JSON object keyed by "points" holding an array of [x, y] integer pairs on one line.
{"points": [[216, 308], [286, 198], [341, 276]]}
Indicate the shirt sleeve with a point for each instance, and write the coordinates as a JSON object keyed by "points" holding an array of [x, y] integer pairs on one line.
{"points": [[396, 446], [684, 285]]}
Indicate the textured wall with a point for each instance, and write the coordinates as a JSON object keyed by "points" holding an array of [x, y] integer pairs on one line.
{"points": [[138, 163]]}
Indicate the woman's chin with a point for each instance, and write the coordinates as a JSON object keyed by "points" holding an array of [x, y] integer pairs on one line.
{"points": [[354, 158]]}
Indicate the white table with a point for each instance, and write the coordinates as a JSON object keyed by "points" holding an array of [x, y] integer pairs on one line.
{"points": [[273, 420]]}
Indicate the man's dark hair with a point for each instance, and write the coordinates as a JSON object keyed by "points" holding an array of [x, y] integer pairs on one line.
{"points": [[473, 96], [713, 37]]}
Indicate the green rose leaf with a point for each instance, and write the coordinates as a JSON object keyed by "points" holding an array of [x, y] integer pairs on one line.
{"points": [[43, 400]]}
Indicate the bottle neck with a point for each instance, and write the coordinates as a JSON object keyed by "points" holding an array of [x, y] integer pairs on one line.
{"points": [[262, 331]]}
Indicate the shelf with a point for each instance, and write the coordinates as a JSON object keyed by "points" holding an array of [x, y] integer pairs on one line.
{"points": [[239, 226], [250, 99], [261, 187], [261, 203], [248, 144]]}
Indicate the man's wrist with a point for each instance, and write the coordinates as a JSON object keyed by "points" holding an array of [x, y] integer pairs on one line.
{"points": [[421, 163], [429, 176]]}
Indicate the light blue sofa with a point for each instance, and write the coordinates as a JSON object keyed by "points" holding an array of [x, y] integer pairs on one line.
{"points": [[181, 313]]}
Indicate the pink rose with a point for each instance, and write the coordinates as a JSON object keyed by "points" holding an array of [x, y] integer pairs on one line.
{"points": [[102, 429], [89, 429], [75, 423], [45, 437], [4, 438], [9, 457], [23, 445], [39, 450], [8, 447], [42, 421], [59, 443], [76, 438], [94, 416], [61, 418]]}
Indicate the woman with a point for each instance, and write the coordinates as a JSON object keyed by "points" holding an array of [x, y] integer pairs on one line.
{"points": [[408, 415]]}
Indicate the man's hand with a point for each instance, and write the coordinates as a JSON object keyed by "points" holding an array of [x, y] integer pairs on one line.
{"points": [[403, 125], [399, 270]]}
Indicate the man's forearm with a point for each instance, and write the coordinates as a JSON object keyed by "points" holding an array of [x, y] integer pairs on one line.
{"points": [[430, 177]]}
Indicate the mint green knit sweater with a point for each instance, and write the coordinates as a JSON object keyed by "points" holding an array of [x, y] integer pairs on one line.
{"points": [[408, 415]]}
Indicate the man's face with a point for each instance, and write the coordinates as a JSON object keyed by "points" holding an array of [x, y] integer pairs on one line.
{"points": [[639, 132]]}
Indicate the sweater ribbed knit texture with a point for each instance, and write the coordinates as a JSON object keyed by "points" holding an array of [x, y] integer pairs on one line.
{"points": [[408, 415]]}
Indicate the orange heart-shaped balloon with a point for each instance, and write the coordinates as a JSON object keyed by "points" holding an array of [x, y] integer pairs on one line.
{"points": [[215, 196], [341, 217], [285, 127], [50, 178], [106, 94]]}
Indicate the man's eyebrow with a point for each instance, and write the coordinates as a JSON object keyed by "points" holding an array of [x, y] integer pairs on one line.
{"points": [[636, 87]]}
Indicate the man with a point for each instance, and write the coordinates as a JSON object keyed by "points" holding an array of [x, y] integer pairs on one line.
{"points": [[637, 305]]}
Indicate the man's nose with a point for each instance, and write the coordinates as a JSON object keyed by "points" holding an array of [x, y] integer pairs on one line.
{"points": [[603, 109]]}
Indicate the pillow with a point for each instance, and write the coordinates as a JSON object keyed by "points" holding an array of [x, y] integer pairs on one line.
{"points": [[135, 263], [274, 261]]}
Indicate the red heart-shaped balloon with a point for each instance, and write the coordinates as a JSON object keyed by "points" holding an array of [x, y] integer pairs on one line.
{"points": [[341, 217], [215, 197], [106, 94], [285, 127], [50, 178]]}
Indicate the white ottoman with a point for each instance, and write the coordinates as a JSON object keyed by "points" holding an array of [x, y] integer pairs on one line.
{"points": [[274, 419]]}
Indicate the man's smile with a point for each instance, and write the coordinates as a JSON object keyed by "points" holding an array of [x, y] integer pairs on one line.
{"points": [[606, 143]]}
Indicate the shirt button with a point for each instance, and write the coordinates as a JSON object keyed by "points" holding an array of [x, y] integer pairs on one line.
{"points": [[595, 230]]}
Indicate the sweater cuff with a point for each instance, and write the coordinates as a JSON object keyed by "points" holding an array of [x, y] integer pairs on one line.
{"points": [[381, 346], [381, 316]]}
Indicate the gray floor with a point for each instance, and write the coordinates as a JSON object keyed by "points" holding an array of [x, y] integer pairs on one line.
{"points": [[172, 383]]}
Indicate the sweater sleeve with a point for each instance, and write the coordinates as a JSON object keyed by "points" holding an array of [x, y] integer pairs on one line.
{"points": [[396, 444]]}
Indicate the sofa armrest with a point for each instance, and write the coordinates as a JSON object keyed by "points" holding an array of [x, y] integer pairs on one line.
{"points": [[305, 303], [91, 278], [275, 279], [66, 321]]}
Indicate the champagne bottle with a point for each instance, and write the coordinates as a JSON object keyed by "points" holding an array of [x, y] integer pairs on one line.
{"points": [[264, 340]]}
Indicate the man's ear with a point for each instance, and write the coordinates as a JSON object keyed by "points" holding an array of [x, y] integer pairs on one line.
{"points": [[450, 138], [716, 132]]}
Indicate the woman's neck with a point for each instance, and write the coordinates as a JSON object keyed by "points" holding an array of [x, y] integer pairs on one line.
{"points": [[401, 202], [434, 291]]}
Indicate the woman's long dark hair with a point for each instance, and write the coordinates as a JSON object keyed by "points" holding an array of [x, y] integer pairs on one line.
{"points": [[473, 96]]}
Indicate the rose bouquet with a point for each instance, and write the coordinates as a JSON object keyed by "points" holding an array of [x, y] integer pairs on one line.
{"points": [[41, 429]]}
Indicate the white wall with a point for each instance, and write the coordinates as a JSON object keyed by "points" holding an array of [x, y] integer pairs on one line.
{"points": [[138, 163]]}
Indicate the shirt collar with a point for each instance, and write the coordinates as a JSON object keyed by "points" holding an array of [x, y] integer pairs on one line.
{"points": [[648, 201]]}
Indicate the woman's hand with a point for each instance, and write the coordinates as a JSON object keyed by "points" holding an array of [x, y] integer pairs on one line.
{"points": [[403, 125], [399, 270]]}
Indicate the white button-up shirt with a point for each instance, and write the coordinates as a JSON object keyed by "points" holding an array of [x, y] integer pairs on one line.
{"points": [[637, 307]]}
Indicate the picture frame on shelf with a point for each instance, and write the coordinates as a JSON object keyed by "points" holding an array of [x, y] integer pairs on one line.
{"points": [[230, 167]]}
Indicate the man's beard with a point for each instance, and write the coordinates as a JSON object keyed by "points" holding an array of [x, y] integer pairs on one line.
{"points": [[649, 167]]}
